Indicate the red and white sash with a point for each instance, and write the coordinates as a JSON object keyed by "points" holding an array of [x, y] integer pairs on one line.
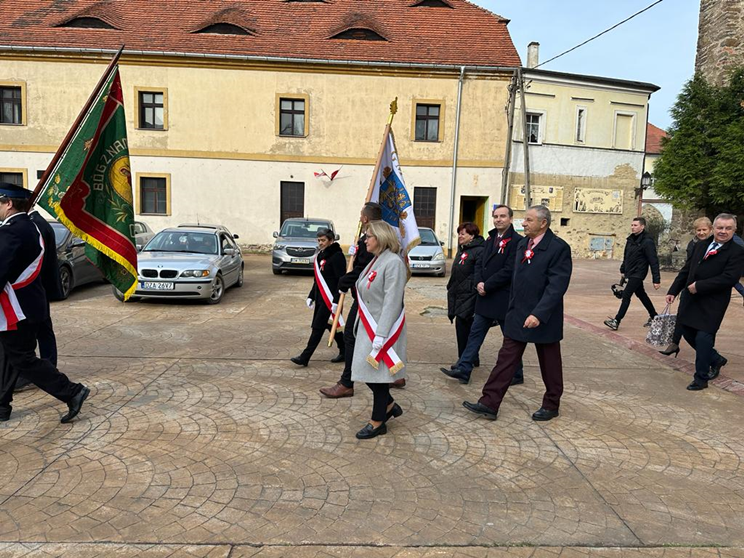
{"points": [[386, 354], [10, 310], [325, 292]]}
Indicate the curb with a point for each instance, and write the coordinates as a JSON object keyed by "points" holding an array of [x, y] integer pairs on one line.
{"points": [[723, 382]]}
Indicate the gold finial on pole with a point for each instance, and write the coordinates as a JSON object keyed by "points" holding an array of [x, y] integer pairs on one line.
{"points": [[393, 110]]}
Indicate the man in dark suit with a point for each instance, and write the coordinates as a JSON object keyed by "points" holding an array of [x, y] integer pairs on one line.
{"points": [[345, 387], [541, 276], [715, 266], [25, 307], [493, 277]]}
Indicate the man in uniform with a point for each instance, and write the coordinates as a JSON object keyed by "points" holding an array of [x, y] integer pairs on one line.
{"points": [[24, 307]]}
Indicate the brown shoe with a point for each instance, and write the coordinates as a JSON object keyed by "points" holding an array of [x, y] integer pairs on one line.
{"points": [[399, 383], [339, 390]]}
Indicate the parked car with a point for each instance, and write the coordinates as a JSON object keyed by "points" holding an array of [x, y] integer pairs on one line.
{"points": [[222, 228], [188, 262], [428, 257], [75, 269], [142, 234], [297, 243]]}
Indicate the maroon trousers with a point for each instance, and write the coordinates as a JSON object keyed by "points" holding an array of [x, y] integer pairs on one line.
{"points": [[510, 355]]}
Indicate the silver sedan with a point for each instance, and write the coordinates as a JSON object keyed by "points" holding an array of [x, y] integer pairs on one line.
{"points": [[199, 262]]}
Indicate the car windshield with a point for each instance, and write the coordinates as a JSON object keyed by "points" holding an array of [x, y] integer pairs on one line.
{"points": [[182, 241], [428, 238], [60, 233], [303, 229]]}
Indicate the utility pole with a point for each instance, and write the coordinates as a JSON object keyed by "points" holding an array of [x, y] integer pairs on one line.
{"points": [[525, 142]]}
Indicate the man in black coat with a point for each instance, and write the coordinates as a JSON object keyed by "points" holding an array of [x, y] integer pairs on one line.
{"points": [[541, 276], [715, 266], [493, 277], [345, 387], [25, 307], [640, 254]]}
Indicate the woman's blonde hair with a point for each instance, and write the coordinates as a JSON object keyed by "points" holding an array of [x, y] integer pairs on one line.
{"points": [[702, 221], [387, 239]]}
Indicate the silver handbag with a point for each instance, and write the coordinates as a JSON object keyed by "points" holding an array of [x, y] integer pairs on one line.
{"points": [[661, 331]]}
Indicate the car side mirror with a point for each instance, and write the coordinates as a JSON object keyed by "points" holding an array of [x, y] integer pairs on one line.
{"points": [[235, 236], [139, 247], [276, 234], [229, 251], [441, 242], [77, 242], [337, 236]]}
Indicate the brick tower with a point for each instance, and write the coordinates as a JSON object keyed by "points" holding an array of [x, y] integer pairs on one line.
{"points": [[720, 38]]}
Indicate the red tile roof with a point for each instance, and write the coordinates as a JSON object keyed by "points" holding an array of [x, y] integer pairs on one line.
{"points": [[463, 34], [653, 139]]}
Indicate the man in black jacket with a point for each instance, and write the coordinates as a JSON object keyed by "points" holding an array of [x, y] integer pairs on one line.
{"points": [[542, 273], [345, 387], [25, 306], [493, 278], [715, 266], [640, 253]]}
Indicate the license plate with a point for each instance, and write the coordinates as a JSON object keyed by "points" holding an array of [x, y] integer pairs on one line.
{"points": [[158, 285], [419, 265], [300, 261]]}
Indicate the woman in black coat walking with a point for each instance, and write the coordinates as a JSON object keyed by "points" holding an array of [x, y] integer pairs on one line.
{"points": [[329, 266], [461, 288]]}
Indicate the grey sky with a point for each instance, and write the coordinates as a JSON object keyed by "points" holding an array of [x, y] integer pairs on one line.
{"points": [[657, 46]]}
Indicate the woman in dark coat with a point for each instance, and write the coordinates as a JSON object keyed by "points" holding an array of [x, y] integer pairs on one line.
{"points": [[329, 266], [461, 288]]}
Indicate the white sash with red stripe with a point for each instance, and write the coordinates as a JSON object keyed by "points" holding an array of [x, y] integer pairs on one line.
{"points": [[386, 354], [325, 292], [11, 312]]}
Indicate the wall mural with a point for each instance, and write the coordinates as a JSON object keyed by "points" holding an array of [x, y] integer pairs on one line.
{"points": [[592, 200]]}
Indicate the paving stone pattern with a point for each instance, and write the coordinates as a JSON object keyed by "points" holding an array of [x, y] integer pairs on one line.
{"points": [[201, 439]]}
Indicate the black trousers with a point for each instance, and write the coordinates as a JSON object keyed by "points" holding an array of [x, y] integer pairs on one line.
{"points": [[350, 341], [316, 336], [462, 330], [635, 286], [19, 347], [47, 348], [381, 400], [705, 353]]}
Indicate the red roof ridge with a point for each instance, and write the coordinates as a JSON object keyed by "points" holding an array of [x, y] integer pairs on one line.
{"points": [[502, 19], [654, 139]]}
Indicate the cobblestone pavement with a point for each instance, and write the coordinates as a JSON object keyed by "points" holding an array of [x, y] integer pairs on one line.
{"points": [[200, 438]]}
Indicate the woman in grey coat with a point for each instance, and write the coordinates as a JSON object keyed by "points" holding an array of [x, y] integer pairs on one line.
{"points": [[380, 349]]}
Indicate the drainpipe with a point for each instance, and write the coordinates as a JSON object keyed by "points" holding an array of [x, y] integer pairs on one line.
{"points": [[454, 163]]}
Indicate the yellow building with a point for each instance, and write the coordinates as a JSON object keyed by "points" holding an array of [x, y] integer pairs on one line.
{"points": [[586, 139], [233, 109]]}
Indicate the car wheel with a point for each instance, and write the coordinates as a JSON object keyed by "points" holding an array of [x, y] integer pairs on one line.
{"points": [[442, 274], [120, 295], [276, 271], [65, 280], [239, 283], [218, 289]]}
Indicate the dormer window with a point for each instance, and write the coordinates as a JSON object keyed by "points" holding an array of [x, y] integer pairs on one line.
{"points": [[359, 34], [226, 29], [87, 23], [432, 4]]}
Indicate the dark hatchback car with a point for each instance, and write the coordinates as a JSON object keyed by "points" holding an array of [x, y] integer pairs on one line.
{"points": [[74, 268]]}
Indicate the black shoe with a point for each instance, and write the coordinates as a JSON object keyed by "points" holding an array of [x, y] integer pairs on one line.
{"points": [[395, 412], [694, 386], [298, 361], [4, 416], [480, 409], [715, 370], [476, 364], [459, 375], [517, 381], [75, 404], [544, 414], [672, 349], [370, 431], [649, 322], [340, 357]]}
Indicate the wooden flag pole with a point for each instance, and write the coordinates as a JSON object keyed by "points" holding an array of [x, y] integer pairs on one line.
{"points": [[375, 172], [75, 125]]}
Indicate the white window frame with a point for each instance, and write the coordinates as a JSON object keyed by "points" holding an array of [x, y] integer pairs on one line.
{"points": [[540, 128], [580, 136], [633, 116]]}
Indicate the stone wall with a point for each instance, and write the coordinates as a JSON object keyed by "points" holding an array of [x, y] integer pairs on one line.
{"points": [[720, 38]]}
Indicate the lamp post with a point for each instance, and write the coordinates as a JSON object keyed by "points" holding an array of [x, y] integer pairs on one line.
{"points": [[646, 181]]}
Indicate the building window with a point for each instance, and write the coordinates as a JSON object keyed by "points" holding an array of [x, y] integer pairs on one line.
{"points": [[152, 110], [292, 117], [427, 122], [580, 124], [425, 206], [11, 109], [154, 194], [534, 131], [292, 201], [12, 177]]}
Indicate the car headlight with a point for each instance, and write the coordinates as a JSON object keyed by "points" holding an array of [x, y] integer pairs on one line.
{"points": [[438, 256], [279, 246], [195, 273]]}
